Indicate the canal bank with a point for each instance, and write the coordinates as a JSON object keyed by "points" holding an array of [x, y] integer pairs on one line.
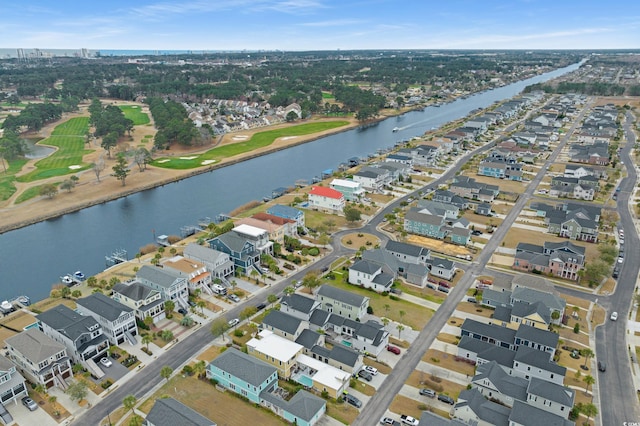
{"points": [[33, 256]]}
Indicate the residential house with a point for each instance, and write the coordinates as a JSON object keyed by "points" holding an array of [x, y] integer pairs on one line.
{"points": [[473, 408], [493, 382], [170, 412], [298, 306], [290, 226], [218, 263], [321, 376], [275, 231], [577, 171], [419, 223], [326, 199], [287, 212], [118, 321], [571, 220], [351, 190], [39, 358], [399, 158], [500, 169], [145, 301], [408, 253], [275, 350], [244, 244], [372, 178], [483, 209], [12, 387], [371, 275], [81, 335], [449, 211], [258, 382], [441, 267], [562, 260], [528, 363], [283, 324], [170, 285], [596, 153], [197, 275], [550, 397], [449, 197], [395, 170], [523, 413], [341, 302], [467, 187]]}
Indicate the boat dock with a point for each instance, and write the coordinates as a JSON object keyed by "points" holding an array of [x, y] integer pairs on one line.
{"points": [[118, 256]]}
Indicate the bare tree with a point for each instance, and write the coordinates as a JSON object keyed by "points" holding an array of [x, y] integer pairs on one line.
{"points": [[98, 167]]}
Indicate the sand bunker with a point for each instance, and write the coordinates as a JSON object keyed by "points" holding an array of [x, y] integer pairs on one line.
{"points": [[166, 160], [205, 162], [75, 167], [286, 138], [189, 158], [240, 138]]}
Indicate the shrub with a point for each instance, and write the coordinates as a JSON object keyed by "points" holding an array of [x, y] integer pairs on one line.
{"points": [[576, 328], [392, 297], [369, 310], [238, 333], [106, 384], [187, 370], [314, 251]]}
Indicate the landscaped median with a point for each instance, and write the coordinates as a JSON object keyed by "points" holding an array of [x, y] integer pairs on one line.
{"points": [[258, 140]]}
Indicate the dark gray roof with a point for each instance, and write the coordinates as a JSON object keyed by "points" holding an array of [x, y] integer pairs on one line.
{"points": [[308, 338], [515, 387], [406, 248], [344, 355], [67, 322], [531, 295], [319, 317], [441, 262], [103, 306], [34, 345], [299, 303], [551, 391], [347, 297], [321, 350], [430, 419], [502, 313], [244, 367], [502, 334], [5, 363], [529, 415], [502, 356], [134, 291], [536, 358], [502, 297], [169, 412], [371, 330], [488, 411], [365, 267], [523, 309], [303, 405], [158, 276], [282, 321], [474, 345]]}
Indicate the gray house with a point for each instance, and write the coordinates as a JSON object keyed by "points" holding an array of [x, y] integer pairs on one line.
{"points": [[170, 412], [118, 321]]}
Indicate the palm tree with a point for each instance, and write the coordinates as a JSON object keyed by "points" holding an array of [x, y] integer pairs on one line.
{"points": [[146, 339], [385, 321], [272, 298], [402, 314], [40, 389], [169, 307], [399, 327], [129, 402], [288, 290], [166, 372], [254, 274], [52, 400], [201, 304], [586, 353], [588, 380], [589, 410], [200, 368]]}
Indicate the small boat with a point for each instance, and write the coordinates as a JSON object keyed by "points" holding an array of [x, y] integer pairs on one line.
{"points": [[67, 279], [6, 307], [395, 129], [78, 275]]}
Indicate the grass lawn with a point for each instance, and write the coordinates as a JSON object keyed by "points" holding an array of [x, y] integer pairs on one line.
{"points": [[342, 412], [448, 338], [313, 219], [364, 388], [473, 308], [68, 137], [414, 316], [204, 398], [135, 114], [419, 379], [446, 360], [259, 140], [425, 293], [210, 353], [382, 368], [7, 188], [30, 193]]}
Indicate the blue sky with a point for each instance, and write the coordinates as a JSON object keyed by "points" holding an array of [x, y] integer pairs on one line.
{"points": [[320, 24]]}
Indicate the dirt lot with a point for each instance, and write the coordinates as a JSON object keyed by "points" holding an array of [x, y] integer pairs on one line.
{"points": [[356, 241], [447, 361], [438, 246], [473, 308]]}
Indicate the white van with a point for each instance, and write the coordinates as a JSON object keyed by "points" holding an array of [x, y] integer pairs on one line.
{"points": [[218, 289]]}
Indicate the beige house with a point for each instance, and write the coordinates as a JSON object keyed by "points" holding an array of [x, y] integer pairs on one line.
{"points": [[275, 350]]}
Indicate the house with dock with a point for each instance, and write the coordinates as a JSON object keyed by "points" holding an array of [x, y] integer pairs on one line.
{"points": [[145, 301], [170, 285], [326, 199], [118, 321], [218, 263]]}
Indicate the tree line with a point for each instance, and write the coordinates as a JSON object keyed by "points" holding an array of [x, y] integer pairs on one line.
{"points": [[172, 123]]}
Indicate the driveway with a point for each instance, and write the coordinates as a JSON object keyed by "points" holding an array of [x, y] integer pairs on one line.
{"points": [[22, 416]]}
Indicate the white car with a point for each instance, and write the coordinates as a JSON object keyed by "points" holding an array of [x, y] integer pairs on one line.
{"points": [[233, 322], [614, 316], [371, 370], [106, 362]]}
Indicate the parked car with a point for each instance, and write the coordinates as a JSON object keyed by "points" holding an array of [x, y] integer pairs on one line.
{"points": [[408, 420], [233, 298], [353, 400], [446, 399], [364, 374], [106, 362], [614, 316], [192, 303], [602, 366], [370, 369], [444, 284], [29, 403], [389, 421], [395, 290], [233, 322], [182, 311], [393, 349], [428, 392], [298, 284], [261, 306], [476, 232]]}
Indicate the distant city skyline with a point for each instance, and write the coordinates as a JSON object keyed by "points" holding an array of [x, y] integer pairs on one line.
{"points": [[301, 25]]}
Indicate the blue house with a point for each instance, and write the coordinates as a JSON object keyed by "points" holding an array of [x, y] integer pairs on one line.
{"points": [[258, 381], [287, 212]]}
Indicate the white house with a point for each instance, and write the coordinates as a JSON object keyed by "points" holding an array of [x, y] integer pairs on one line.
{"points": [[326, 199]]}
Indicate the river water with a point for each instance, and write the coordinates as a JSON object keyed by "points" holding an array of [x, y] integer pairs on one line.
{"points": [[34, 257]]}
